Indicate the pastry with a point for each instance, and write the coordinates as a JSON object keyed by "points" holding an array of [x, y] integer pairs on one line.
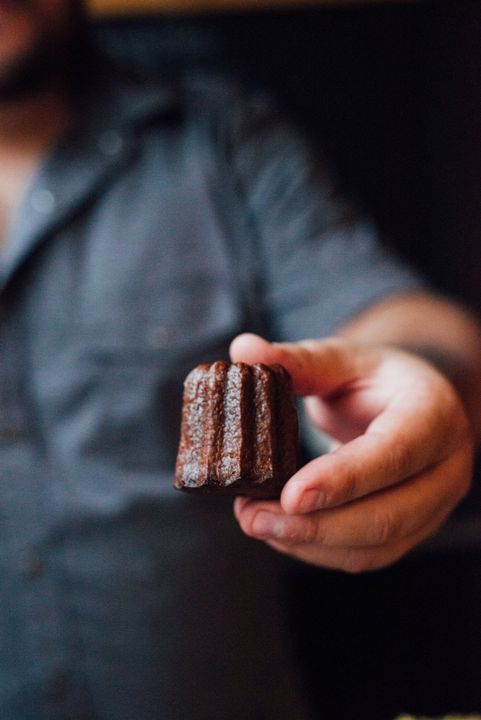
{"points": [[239, 430]]}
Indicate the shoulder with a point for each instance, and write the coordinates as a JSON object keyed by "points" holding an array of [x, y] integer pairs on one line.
{"points": [[225, 108], [214, 107]]}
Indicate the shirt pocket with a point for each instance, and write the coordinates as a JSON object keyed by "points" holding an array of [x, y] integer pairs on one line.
{"points": [[121, 402], [187, 316]]}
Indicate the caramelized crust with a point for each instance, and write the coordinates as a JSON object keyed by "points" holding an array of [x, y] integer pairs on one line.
{"points": [[239, 431]]}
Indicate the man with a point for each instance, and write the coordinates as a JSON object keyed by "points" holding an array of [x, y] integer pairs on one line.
{"points": [[142, 229]]}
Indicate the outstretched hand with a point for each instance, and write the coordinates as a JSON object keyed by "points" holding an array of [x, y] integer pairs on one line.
{"points": [[404, 458]]}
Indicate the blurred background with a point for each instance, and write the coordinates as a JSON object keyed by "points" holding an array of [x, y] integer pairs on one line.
{"points": [[391, 92]]}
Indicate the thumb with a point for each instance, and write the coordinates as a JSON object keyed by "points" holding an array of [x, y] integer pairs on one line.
{"points": [[317, 367]]}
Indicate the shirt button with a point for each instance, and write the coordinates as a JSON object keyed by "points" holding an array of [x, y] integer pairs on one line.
{"points": [[161, 337], [43, 201], [110, 142], [33, 565]]}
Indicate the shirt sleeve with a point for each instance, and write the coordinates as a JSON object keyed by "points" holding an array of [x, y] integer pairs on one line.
{"points": [[318, 261]]}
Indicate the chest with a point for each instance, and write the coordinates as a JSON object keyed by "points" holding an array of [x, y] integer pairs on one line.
{"points": [[116, 307], [148, 266]]}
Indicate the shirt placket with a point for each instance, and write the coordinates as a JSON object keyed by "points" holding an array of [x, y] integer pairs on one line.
{"points": [[32, 572]]}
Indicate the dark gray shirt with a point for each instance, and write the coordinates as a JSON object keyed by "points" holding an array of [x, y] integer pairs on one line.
{"points": [[170, 219]]}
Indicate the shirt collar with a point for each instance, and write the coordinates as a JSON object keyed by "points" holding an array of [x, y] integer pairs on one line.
{"points": [[110, 107], [107, 95]]}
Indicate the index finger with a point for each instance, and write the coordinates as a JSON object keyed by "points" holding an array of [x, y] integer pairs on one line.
{"points": [[317, 367]]}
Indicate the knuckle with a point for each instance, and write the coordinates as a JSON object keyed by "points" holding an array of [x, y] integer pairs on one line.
{"points": [[346, 489], [399, 459], [312, 531], [332, 350], [306, 351], [290, 533], [383, 528]]}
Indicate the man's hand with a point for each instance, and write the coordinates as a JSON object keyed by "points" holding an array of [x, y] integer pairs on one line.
{"points": [[403, 462]]}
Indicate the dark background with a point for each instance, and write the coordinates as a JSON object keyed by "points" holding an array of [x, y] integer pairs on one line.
{"points": [[392, 95], [391, 92]]}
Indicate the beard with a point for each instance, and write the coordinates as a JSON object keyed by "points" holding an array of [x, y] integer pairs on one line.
{"points": [[55, 55]]}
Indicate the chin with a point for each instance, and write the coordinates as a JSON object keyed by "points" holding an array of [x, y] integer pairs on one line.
{"points": [[18, 37], [39, 43]]}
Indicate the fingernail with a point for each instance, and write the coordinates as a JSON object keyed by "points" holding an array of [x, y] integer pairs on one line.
{"points": [[266, 524], [312, 500]]}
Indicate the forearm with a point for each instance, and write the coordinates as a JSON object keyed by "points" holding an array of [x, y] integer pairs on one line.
{"points": [[438, 330]]}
